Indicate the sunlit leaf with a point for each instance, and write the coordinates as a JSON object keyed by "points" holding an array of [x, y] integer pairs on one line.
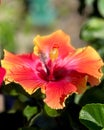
{"points": [[93, 29], [29, 111], [89, 2], [92, 116], [101, 7]]}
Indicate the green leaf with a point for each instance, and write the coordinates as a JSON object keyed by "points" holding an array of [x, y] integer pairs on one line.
{"points": [[101, 7], [29, 111], [14, 89], [44, 122], [7, 39], [23, 98], [92, 116], [93, 95], [89, 2], [51, 112], [93, 29]]}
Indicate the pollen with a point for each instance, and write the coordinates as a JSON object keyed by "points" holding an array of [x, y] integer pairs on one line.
{"points": [[54, 54]]}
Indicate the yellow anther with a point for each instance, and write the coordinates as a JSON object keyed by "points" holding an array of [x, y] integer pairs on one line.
{"points": [[54, 54]]}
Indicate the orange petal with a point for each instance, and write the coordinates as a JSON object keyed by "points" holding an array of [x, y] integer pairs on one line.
{"points": [[21, 69], [58, 40], [87, 60], [56, 93], [81, 84], [79, 80]]}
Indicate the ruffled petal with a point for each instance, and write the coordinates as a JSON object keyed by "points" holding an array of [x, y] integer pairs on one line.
{"points": [[57, 92], [86, 60], [79, 80], [2, 73], [21, 69], [58, 40]]}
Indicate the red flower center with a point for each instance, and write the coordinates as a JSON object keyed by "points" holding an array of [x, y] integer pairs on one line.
{"points": [[48, 72]]}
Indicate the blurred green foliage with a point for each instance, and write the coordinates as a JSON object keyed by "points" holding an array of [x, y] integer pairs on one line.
{"points": [[7, 35], [92, 30], [9, 21], [93, 33], [97, 7], [101, 7]]}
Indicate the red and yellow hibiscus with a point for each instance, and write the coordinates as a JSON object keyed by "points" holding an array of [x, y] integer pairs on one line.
{"points": [[56, 67], [2, 73]]}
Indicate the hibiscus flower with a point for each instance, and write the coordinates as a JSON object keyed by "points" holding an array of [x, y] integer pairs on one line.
{"points": [[2, 73], [56, 67]]}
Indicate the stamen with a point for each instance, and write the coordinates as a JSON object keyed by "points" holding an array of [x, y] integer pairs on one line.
{"points": [[54, 54]]}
